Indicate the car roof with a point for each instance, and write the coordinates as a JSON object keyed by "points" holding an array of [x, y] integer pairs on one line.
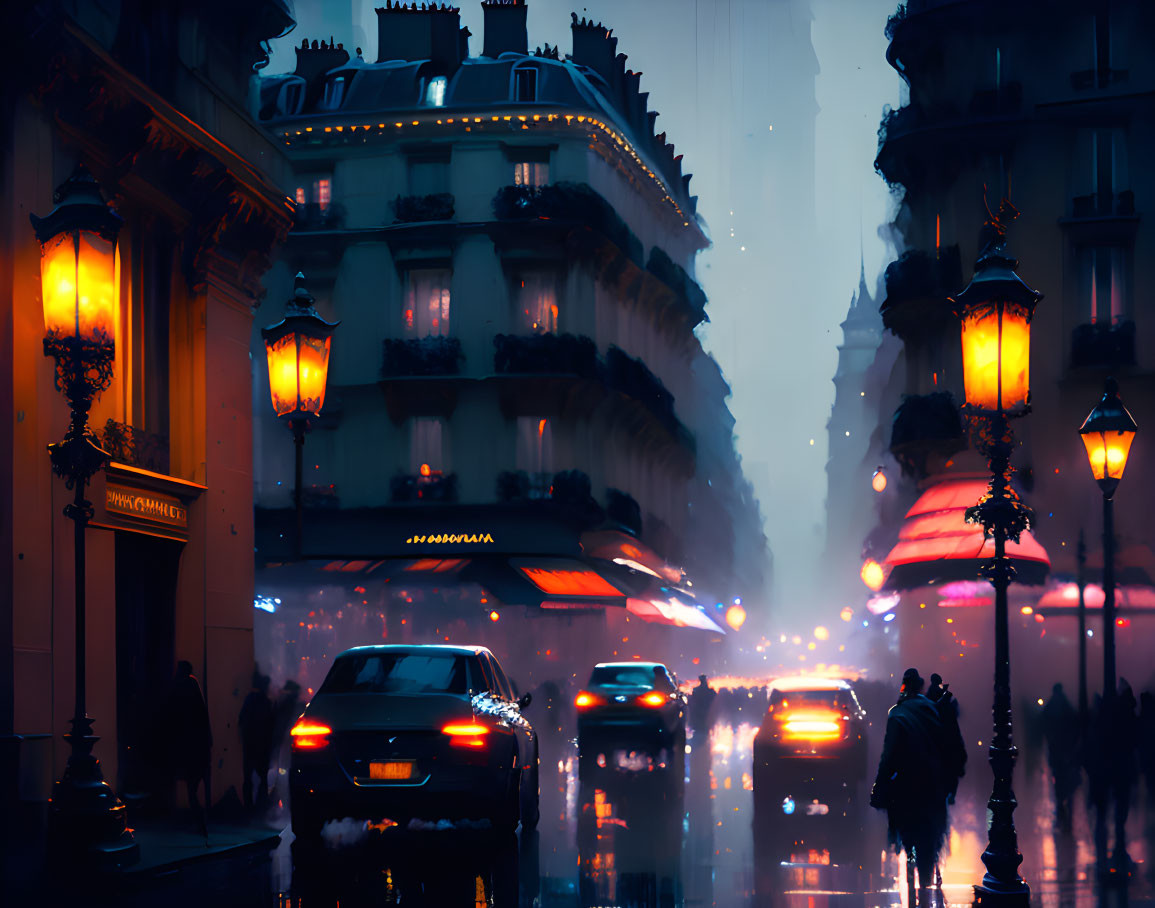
{"points": [[798, 683], [650, 665], [432, 648]]}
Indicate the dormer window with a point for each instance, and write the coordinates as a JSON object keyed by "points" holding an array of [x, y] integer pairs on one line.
{"points": [[334, 93], [435, 91], [291, 97], [525, 83]]}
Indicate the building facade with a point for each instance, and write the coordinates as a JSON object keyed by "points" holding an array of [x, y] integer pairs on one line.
{"points": [[509, 249], [1053, 113], [161, 124]]}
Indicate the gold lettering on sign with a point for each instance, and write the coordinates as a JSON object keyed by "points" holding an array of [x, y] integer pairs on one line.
{"points": [[452, 539], [152, 506]]}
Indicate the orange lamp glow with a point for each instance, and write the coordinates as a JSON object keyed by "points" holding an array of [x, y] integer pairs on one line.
{"points": [[1107, 434], [494, 616], [78, 267], [996, 347], [878, 480], [653, 699], [873, 574], [297, 349], [309, 735], [736, 616]]}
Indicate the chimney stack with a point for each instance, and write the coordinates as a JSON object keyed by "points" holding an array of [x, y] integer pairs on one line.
{"points": [[426, 32], [505, 28], [595, 46], [319, 59]]}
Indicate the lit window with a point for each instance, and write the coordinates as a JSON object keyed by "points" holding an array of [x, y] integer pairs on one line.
{"points": [[322, 193], [525, 83], [1103, 278], [427, 303], [435, 92], [527, 173], [426, 447], [535, 453], [300, 195], [537, 301]]}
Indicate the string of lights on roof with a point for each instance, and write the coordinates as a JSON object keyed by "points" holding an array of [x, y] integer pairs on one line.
{"points": [[472, 121]]}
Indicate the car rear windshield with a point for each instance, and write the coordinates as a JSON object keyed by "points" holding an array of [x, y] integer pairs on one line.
{"points": [[625, 675], [822, 699], [397, 673]]}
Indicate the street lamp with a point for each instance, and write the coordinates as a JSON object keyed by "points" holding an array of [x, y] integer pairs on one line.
{"points": [[297, 348], [995, 309], [1107, 434], [80, 296]]}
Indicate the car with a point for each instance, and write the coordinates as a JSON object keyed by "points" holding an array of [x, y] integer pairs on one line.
{"points": [[397, 733], [809, 766], [628, 714]]}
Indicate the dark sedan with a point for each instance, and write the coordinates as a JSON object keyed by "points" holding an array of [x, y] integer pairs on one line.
{"points": [[397, 733], [629, 713]]}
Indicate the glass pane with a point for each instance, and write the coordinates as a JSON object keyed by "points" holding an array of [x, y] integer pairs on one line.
{"points": [[397, 673]]}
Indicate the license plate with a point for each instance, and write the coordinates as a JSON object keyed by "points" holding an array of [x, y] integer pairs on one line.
{"points": [[392, 771]]}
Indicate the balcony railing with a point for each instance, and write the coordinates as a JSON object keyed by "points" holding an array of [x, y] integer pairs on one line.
{"points": [[1104, 345], [421, 356], [411, 208], [522, 485], [566, 354], [631, 377], [136, 447], [436, 487], [924, 425], [311, 216]]}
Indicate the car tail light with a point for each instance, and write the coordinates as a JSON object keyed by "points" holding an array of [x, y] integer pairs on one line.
{"points": [[465, 734], [813, 726], [584, 700], [309, 735], [653, 698]]}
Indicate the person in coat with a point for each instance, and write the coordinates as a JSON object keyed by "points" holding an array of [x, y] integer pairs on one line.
{"points": [[190, 738]]}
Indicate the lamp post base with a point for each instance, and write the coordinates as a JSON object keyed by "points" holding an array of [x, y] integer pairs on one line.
{"points": [[991, 894], [88, 822]]}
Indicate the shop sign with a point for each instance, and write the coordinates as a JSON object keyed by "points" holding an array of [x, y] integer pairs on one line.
{"points": [[152, 506], [450, 539]]}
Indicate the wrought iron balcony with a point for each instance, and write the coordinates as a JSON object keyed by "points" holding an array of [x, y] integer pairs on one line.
{"points": [[436, 487], [633, 378], [311, 216], [421, 356], [136, 447], [438, 206], [566, 354], [1104, 345], [925, 425]]}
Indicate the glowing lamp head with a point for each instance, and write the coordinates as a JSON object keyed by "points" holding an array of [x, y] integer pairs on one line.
{"points": [[995, 309], [873, 574], [878, 480], [297, 349], [78, 262], [736, 616], [1107, 434]]}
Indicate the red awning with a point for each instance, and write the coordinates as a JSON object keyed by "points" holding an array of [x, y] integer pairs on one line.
{"points": [[936, 543]]}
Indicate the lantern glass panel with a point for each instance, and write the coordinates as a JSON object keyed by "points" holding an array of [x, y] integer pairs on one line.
{"points": [[1107, 453], [282, 356], [312, 372], [78, 277], [996, 340]]}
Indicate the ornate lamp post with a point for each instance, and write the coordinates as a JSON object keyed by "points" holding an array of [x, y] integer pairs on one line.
{"points": [[80, 297], [297, 348], [1107, 434], [996, 309]]}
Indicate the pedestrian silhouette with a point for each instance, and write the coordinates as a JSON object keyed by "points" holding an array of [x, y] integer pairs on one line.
{"points": [[1124, 767], [916, 774], [1147, 761], [701, 699], [190, 738], [1061, 731], [256, 727], [1096, 763]]}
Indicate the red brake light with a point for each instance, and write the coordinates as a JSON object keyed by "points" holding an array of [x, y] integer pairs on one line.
{"points": [[309, 735], [653, 698], [465, 734], [584, 700], [813, 726]]}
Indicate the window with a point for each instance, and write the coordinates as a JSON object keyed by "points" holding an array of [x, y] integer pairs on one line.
{"points": [[435, 92], [535, 453], [426, 448], [528, 173], [300, 196], [322, 193], [291, 102], [427, 303], [397, 673], [525, 83], [1103, 283], [334, 92], [537, 301], [428, 177]]}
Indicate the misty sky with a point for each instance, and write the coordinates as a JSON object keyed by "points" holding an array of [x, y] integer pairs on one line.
{"points": [[730, 79]]}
